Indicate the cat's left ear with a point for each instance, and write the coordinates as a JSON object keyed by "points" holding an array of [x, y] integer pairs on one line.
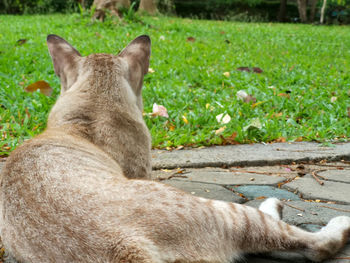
{"points": [[65, 59], [137, 54]]}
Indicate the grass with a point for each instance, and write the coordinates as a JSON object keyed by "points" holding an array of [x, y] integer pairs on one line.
{"points": [[308, 67]]}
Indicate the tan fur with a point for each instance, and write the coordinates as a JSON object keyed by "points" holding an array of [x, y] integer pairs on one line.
{"points": [[65, 196]]}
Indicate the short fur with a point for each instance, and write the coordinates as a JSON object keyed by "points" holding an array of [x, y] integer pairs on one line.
{"points": [[65, 195]]}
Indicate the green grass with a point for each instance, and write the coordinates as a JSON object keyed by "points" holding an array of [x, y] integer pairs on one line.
{"points": [[310, 62]]}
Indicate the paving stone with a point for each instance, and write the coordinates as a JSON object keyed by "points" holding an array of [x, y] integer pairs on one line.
{"points": [[249, 155], [313, 214], [337, 175], [230, 178], [210, 191], [255, 191], [309, 188]]}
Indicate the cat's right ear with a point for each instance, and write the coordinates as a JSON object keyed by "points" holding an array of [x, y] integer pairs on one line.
{"points": [[64, 58]]}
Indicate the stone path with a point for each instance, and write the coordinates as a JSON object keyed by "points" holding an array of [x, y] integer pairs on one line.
{"points": [[250, 173]]}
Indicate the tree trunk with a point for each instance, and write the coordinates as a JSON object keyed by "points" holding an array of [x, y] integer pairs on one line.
{"points": [[323, 9], [282, 12], [148, 6], [313, 10], [302, 7]]}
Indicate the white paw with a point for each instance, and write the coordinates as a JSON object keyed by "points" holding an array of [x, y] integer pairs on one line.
{"points": [[338, 223], [273, 207]]}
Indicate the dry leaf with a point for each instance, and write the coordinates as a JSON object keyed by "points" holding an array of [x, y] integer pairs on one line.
{"points": [[21, 41], [184, 119], [151, 70], [40, 85], [283, 95], [220, 130], [162, 38], [191, 39], [333, 99], [281, 139], [159, 110], [223, 119], [171, 127], [226, 74], [250, 98], [230, 139], [241, 95]]}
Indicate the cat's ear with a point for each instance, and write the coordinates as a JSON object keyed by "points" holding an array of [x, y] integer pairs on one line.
{"points": [[64, 58], [137, 54]]}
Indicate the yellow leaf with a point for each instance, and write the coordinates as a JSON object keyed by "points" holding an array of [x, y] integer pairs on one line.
{"points": [[40, 85], [317, 200], [184, 119], [226, 74], [257, 104], [220, 130], [207, 105]]}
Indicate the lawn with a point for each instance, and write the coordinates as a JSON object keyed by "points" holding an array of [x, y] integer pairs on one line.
{"points": [[302, 93]]}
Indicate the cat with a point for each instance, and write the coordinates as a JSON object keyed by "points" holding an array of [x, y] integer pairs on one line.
{"points": [[70, 194]]}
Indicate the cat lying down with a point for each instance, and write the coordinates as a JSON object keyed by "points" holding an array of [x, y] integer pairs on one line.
{"points": [[79, 192]]}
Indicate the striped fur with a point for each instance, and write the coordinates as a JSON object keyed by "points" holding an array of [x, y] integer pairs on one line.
{"points": [[65, 196]]}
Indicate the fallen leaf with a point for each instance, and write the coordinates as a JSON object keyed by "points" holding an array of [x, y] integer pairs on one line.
{"points": [[222, 32], [241, 95], [98, 35], [191, 39], [223, 119], [243, 69], [281, 139], [257, 103], [257, 70], [162, 38], [21, 41], [230, 139], [207, 105], [226, 74], [250, 98], [220, 130], [159, 110], [254, 124], [247, 69], [171, 127], [283, 95], [151, 70], [40, 85], [260, 197], [333, 99], [184, 119]]}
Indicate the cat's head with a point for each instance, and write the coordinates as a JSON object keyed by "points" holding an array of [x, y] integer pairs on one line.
{"points": [[126, 68]]}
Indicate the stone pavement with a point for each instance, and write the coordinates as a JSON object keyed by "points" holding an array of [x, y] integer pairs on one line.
{"points": [[250, 173]]}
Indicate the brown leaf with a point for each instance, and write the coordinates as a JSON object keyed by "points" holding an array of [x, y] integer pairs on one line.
{"points": [[222, 32], [250, 98], [257, 70], [243, 69], [21, 41], [40, 85], [281, 139], [283, 95], [247, 69], [230, 139], [191, 39]]}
